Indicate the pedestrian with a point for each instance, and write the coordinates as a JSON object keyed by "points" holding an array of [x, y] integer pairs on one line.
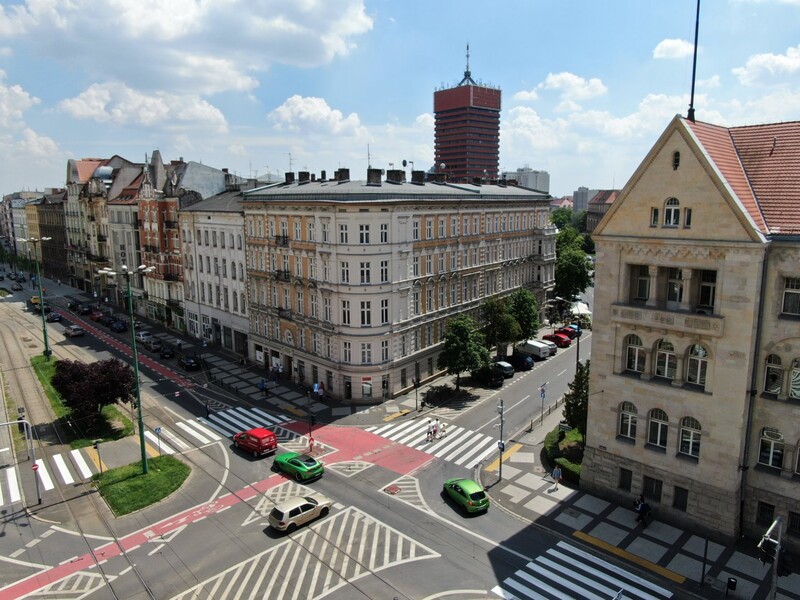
{"points": [[430, 431], [443, 430], [263, 386], [208, 412], [557, 475], [179, 345], [280, 371], [436, 429]]}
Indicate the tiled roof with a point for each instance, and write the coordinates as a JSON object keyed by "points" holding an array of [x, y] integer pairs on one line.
{"points": [[86, 167], [604, 197], [761, 164]]}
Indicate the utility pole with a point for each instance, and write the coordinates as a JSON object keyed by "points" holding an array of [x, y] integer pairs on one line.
{"points": [[501, 444], [542, 394]]}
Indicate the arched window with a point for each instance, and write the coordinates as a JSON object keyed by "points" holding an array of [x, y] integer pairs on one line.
{"points": [[627, 420], [233, 271], [697, 365], [794, 384], [658, 425], [666, 361], [773, 375], [242, 302], [770, 452], [239, 242], [689, 442], [635, 353], [672, 212]]}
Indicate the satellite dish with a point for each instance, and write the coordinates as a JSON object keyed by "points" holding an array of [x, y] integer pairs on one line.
{"points": [[404, 162], [383, 171]]}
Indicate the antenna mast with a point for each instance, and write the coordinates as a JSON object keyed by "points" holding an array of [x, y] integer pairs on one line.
{"points": [[690, 116]]}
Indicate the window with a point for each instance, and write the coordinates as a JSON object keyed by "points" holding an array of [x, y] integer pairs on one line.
{"points": [[674, 285], [441, 227], [641, 275], [384, 350], [651, 488], [658, 428], [676, 160], [345, 267], [765, 513], [791, 296], [384, 233], [672, 213], [653, 217], [366, 313], [384, 311], [428, 264], [346, 352], [314, 303], [708, 289], [415, 266], [384, 271], [625, 479], [771, 449], [415, 231], [428, 229], [325, 233], [299, 300], [345, 312], [343, 233], [311, 232], [666, 361], [698, 364], [627, 420], [363, 234], [680, 499], [326, 309], [793, 526], [297, 226], [773, 377], [689, 441], [794, 383], [687, 217], [365, 273], [366, 354], [415, 303], [636, 357]]}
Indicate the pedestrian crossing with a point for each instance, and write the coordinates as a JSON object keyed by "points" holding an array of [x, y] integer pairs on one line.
{"points": [[71, 467], [460, 446], [566, 572]]}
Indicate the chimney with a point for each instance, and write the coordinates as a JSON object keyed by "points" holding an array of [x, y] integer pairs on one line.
{"points": [[418, 177], [373, 176], [343, 175], [313, 177], [476, 181], [440, 177], [322, 175], [303, 177], [225, 170], [395, 176], [289, 177]]}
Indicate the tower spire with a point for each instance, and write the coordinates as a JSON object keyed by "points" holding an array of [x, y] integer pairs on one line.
{"points": [[467, 74]]}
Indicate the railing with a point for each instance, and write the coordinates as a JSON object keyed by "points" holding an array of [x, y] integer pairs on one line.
{"points": [[282, 275], [685, 322], [171, 277], [282, 240], [170, 224], [285, 313]]}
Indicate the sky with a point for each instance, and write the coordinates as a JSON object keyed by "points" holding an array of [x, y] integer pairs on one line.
{"points": [[262, 87]]}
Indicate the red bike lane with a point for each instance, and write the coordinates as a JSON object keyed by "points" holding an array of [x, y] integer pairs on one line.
{"points": [[342, 444]]}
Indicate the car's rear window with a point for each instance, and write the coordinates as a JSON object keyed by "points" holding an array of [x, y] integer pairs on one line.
{"points": [[308, 461], [276, 514], [478, 495]]}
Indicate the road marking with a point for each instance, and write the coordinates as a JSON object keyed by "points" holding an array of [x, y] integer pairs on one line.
{"points": [[94, 456], [44, 475], [77, 458], [160, 446], [396, 415], [296, 412], [493, 466], [62, 468]]}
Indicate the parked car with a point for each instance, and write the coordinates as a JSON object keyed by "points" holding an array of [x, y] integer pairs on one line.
{"points": [[166, 351], [85, 309], [505, 368], [118, 327], [550, 346], [568, 331], [107, 320], [536, 349], [21, 278], [575, 327], [189, 363], [71, 331], [301, 466], [53, 317], [34, 300], [259, 441], [468, 494], [143, 336], [153, 344], [73, 305], [289, 514], [559, 339], [12, 276], [521, 362], [488, 376], [39, 308], [95, 316], [15, 287]]}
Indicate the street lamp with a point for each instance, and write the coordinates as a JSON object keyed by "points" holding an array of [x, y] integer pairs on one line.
{"points": [[35, 242], [126, 273]]}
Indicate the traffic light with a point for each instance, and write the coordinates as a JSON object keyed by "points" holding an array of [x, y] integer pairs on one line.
{"points": [[766, 549]]}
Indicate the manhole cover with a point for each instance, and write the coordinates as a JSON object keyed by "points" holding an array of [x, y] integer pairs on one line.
{"points": [[392, 489]]}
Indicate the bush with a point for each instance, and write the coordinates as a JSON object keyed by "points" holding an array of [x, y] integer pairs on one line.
{"points": [[566, 451]]}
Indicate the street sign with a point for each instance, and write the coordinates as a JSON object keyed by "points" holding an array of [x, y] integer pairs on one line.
{"points": [[35, 466], [157, 430], [501, 445]]}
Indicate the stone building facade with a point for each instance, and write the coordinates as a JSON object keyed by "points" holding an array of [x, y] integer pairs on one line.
{"points": [[694, 394]]}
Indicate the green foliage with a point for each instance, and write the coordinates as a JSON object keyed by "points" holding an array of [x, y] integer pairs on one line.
{"points": [[499, 326], [464, 348], [561, 217], [576, 401], [523, 307], [566, 451], [573, 270], [569, 237], [579, 220], [126, 489]]}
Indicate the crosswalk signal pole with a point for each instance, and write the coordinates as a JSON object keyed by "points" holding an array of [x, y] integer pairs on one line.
{"points": [[501, 443]]}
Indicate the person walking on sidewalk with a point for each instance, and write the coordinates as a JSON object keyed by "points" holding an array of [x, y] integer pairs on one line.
{"points": [[557, 475]]}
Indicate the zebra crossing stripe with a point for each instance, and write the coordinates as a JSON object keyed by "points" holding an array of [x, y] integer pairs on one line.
{"points": [[62, 469], [175, 440], [13, 485], [277, 419], [222, 422], [44, 476], [246, 418], [555, 577], [161, 446], [77, 458], [195, 434]]}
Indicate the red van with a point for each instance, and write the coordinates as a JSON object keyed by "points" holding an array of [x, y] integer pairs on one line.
{"points": [[259, 441]]}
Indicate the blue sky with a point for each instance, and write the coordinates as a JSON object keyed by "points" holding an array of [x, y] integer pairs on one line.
{"points": [[587, 86]]}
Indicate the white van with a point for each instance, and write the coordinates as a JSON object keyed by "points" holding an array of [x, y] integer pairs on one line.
{"points": [[551, 345], [537, 349]]}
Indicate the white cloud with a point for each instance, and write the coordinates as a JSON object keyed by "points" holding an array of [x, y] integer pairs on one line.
{"points": [[710, 83], [672, 48], [14, 101], [117, 103], [573, 86], [763, 67], [526, 96], [314, 115], [34, 145]]}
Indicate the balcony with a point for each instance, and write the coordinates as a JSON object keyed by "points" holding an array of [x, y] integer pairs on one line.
{"points": [[173, 303], [285, 313], [281, 275], [674, 321], [282, 240], [170, 224], [101, 238], [171, 277]]}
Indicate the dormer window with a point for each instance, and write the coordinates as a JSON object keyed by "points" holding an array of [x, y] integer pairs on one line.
{"points": [[672, 213]]}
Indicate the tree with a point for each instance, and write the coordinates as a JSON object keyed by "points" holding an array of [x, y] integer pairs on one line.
{"points": [[523, 307], [464, 348], [573, 270], [87, 388], [561, 217], [499, 326], [576, 401]]}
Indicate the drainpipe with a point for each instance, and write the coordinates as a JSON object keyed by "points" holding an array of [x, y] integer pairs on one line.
{"points": [[743, 468]]}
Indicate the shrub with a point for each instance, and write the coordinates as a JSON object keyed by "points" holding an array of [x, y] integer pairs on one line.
{"points": [[566, 451]]}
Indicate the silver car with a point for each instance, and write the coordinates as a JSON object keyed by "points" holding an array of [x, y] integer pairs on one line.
{"points": [[299, 510]]}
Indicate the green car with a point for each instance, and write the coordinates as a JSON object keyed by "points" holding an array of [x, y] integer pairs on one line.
{"points": [[302, 466], [468, 494]]}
